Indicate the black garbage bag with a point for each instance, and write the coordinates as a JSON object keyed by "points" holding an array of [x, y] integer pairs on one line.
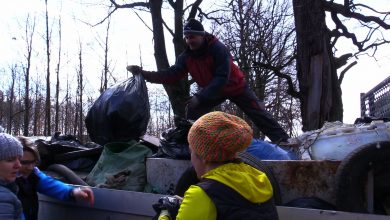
{"points": [[69, 151], [174, 143], [121, 113], [369, 119]]}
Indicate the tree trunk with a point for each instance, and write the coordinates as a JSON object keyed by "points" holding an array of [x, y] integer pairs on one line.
{"points": [[178, 93], [29, 40], [80, 88], [104, 80], [319, 87], [47, 130], [66, 111], [57, 111], [11, 99], [27, 101], [37, 108]]}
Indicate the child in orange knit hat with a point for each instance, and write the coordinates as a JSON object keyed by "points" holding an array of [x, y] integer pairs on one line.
{"points": [[228, 188]]}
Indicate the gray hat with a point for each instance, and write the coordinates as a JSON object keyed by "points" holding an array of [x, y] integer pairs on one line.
{"points": [[9, 147]]}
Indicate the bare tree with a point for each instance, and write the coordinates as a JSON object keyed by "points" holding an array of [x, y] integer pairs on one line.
{"points": [[320, 91], [47, 130], [160, 109], [11, 98], [57, 105], [105, 46], [79, 120], [29, 33], [66, 118], [260, 35], [37, 122]]}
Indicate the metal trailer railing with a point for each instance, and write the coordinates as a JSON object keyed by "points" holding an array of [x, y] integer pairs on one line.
{"points": [[376, 102]]}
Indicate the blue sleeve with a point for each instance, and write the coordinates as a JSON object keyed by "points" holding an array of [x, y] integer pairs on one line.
{"points": [[52, 187], [222, 59], [170, 75], [266, 151]]}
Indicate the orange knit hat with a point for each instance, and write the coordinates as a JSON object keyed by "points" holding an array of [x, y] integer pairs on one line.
{"points": [[218, 136]]}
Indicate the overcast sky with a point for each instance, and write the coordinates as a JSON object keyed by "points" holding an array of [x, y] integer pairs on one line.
{"points": [[130, 39]]}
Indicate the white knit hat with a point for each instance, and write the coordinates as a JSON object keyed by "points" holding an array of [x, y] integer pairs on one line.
{"points": [[9, 147]]}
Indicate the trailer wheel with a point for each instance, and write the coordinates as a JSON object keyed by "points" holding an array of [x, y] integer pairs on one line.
{"points": [[363, 179], [67, 173], [189, 178]]}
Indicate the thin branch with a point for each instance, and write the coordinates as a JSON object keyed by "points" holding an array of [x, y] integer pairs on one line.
{"points": [[131, 5], [368, 7], [375, 46], [142, 20], [342, 74], [342, 60], [339, 9], [172, 3], [169, 29], [117, 6], [105, 18], [346, 33], [277, 72], [207, 15], [194, 9]]}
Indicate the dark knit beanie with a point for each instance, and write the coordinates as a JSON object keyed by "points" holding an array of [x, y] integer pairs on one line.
{"points": [[218, 136], [193, 27], [9, 147]]}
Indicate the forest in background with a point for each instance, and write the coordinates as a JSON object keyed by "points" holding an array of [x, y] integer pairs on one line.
{"points": [[43, 91]]}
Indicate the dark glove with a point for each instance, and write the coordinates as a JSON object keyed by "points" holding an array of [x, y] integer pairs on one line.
{"points": [[134, 69], [193, 102], [170, 203]]}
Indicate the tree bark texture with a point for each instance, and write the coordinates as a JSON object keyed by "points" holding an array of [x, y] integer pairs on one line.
{"points": [[317, 75], [178, 93], [47, 130], [57, 105]]}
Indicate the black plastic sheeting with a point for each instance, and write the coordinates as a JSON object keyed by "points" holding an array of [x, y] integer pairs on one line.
{"points": [[121, 113], [174, 143], [67, 150], [369, 119]]}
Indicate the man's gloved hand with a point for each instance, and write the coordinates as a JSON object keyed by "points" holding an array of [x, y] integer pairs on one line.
{"points": [[193, 102], [134, 69], [169, 203]]}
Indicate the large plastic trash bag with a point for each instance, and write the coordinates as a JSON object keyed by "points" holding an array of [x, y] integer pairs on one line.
{"points": [[174, 143], [121, 113], [69, 151]]}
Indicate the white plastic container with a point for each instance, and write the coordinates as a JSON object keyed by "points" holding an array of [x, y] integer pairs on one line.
{"points": [[337, 143]]}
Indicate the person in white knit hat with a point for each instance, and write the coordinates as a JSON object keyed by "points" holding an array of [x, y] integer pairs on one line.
{"points": [[11, 151]]}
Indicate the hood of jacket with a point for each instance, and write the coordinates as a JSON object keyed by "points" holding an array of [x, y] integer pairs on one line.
{"points": [[251, 183]]}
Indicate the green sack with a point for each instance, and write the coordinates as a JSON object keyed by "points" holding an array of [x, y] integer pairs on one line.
{"points": [[121, 166]]}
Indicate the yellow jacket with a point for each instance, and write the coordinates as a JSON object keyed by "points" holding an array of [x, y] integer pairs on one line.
{"points": [[246, 180]]}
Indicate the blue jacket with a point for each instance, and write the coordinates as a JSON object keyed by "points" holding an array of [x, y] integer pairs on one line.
{"points": [[37, 181], [10, 206]]}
